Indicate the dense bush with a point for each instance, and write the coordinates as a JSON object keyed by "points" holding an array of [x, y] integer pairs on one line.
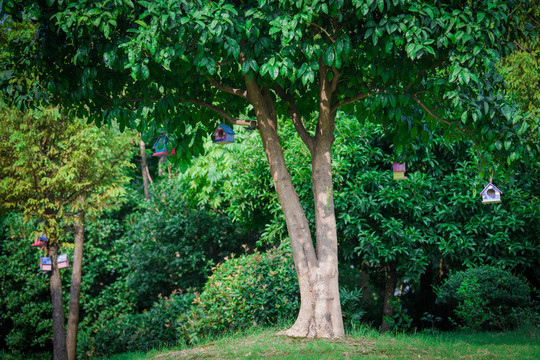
{"points": [[251, 290], [485, 298], [138, 332]]}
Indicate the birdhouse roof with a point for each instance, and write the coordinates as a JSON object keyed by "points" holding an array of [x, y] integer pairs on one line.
{"points": [[490, 186], [46, 260], [226, 128], [157, 141], [62, 257]]}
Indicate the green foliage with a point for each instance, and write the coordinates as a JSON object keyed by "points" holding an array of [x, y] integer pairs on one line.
{"points": [[150, 329], [47, 163], [422, 55], [176, 243], [400, 320], [250, 290], [351, 306], [485, 297], [25, 322]]}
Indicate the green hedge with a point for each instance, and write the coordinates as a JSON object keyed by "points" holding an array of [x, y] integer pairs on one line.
{"points": [[251, 290], [486, 298]]}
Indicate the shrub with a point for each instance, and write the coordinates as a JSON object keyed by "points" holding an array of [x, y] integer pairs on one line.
{"points": [[351, 306], [485, 297], [139, 332], [251, 290]]}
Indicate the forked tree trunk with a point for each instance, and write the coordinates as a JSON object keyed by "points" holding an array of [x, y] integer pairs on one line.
{"points": [[59, 335], [389, 290], [76, 275], [320, 310]]}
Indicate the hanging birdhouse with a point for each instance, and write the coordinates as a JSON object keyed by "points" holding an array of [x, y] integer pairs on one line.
{"points": [[62, 261], [45, 264], [41, 242], [224, 134], [399, 171], [491, 194], [160, 147]]}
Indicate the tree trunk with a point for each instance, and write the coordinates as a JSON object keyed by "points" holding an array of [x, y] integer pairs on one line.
{"points": [[59, 336], [144, 169], [320, 310], [76, 275], [389, 289]]}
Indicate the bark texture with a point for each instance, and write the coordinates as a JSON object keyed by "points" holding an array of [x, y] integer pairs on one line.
{"points": [[389, 289], [320, 310], [59, 335], [144, 169], [76, 275]]}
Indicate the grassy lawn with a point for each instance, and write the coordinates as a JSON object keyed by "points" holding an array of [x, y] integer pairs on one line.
{"points": [[360, 344]]}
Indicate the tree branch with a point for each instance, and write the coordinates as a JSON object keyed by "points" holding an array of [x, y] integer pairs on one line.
{"points": [[430, 112], [323, 30], [350, 100], [306, 137], [228, 89], [223, 113]]}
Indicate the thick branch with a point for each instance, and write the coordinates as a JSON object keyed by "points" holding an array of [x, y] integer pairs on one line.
{"points": [[228, 89], [223, 113], [306, 137]]}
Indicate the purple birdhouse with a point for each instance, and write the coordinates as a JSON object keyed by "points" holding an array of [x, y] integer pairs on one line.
{"points": [[160, 147], [45, 264], [491, 194], [224, 134], [62, 261], [399, 171]]}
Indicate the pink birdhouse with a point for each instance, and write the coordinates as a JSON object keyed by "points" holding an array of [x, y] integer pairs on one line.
{"points": [[62, 261], [224, 134], [45, 264], [399, 171], [160, 147]]}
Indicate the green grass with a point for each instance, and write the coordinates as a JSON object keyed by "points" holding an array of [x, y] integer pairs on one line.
{"points": [[361, 344]]}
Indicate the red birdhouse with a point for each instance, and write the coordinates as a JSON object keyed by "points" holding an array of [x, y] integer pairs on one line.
{"points": [[224, 134], [160, 147], [45, 264], [41, 242], [399, 171], [62, 261]]}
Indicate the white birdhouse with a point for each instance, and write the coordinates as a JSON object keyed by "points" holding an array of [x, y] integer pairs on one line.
{"points": [[491, 194]]}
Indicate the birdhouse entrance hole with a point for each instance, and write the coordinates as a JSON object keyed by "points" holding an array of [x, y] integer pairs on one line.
{"points": [[491, 193]]}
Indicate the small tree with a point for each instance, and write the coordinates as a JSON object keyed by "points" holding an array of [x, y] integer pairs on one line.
{"points": [[54, 171]]}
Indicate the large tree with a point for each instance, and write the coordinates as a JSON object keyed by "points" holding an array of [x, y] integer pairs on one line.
{"points": [[175, 65]]}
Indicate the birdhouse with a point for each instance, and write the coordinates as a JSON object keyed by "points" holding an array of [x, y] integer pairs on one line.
{"points": [[491, 194], [224, 134], [45, 264], [41, 242], [62, 261], [399, 171], [160, 147]]}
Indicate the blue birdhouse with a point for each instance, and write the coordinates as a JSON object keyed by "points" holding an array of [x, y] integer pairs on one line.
{"points": [[45, 264], [491, 194], [160, 147], [224, 134], [62, 261]]}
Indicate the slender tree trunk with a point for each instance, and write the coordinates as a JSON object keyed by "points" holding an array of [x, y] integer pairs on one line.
{"points": [[144, 169], [389, 289], [59, 335], [320, 311], [76, 275]]}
